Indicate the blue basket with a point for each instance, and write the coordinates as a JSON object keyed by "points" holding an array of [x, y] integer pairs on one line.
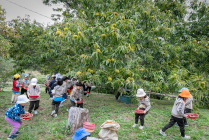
{"points": [[125, 99]]}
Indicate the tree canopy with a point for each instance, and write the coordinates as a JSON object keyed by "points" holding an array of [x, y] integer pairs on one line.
{"points": [[130, 43]]}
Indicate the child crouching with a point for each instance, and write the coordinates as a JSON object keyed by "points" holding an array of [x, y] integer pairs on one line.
{"points": [[178, 114], [144, 104], [57, 97], [13, 115], [76, 95]]}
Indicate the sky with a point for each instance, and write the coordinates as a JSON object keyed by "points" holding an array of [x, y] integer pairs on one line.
{"points": [[13, 11]]}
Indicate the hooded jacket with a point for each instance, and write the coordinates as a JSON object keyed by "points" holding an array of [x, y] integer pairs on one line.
{"points": [[34, 92], [144, 104], [178, 108], [76, 94], [188, 103], [59, 91]]}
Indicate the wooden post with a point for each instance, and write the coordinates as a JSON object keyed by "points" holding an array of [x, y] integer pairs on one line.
{"points": [[76, 118]]}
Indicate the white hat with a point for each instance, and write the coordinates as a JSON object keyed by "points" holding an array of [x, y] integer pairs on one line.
{"points": [[140, 93], [34, 81], [53, 75], [22, 99]]}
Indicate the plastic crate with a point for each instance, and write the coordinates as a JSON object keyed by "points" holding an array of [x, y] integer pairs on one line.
{"points": [[125, 99]]}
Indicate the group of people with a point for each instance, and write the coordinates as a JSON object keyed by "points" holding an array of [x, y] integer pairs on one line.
{"points": [[182, 106], [58, 90]]}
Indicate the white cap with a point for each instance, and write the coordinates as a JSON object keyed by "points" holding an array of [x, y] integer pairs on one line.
{"points": [[22, 99], [34, 81], [140, 93]]}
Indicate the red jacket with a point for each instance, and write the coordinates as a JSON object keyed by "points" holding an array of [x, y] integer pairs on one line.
{"points": [[14, 86]]}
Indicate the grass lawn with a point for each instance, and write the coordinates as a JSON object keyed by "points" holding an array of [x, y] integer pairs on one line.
{"points": [[102, 107]]}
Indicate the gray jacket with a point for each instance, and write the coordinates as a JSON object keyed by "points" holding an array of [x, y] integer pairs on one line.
{"points": [[64, 85], [70, 83], [76, 94], [59, 91], [23, 82], [188, 103], [34, 92], [145, 104], [178, 108]]}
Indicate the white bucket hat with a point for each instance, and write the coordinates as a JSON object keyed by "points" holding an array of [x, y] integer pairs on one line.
{"points": [[22, 99], [140, 93], [34, 81]]}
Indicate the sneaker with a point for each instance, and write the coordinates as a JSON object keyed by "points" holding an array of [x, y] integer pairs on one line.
{"points": [[134, 125], [53, 112], [186, 137], [186, 124], [67, 110], [17, 133], [141, 127], [176, 124], [35, 112], [51, 98], [12, 137], [11, 102], [55, 115], [162, 133]]}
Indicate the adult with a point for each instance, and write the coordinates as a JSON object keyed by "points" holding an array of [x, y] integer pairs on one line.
{"points": [[52, 85]]}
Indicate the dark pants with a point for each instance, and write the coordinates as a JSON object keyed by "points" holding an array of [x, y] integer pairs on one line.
{"points": [[78, 105], [186, 111], [180, 122], [142, 116], [33, 105], [55, 106], [47, 89], [117, 95], [24, 91], [50, 94], [88, 88]]}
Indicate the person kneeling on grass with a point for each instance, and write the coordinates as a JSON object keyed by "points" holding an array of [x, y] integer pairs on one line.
{"points": [[144, 104], [178, 115], [34, 90], [13, 115], [76, 95], [57, 97]]}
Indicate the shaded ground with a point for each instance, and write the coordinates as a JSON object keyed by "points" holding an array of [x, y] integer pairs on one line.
{"points": [[102, 107]]}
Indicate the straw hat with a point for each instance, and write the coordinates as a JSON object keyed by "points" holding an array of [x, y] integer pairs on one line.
{"points": [[185, 93]]}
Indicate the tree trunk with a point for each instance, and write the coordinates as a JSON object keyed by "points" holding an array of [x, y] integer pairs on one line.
{"points": [[76, 118]]}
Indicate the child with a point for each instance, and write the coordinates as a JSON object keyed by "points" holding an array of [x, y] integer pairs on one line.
{"points": [[15, 88], [188, 107], [88, 88], [47, 84], [57, 97], [13, 115], [76, 95], [25, 83], [177, 114], [52, 85], [64, 85], [34, 90], [144, 104]]}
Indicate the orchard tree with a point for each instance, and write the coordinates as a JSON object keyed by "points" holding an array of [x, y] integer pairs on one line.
{"points": [[120, 43]]}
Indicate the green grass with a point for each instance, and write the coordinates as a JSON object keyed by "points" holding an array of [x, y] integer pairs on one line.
{"points": [[103, 107]]}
